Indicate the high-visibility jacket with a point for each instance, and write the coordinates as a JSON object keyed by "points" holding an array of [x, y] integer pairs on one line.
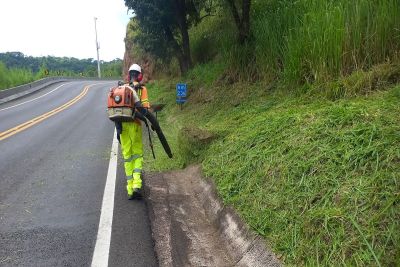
{"points": [[130, 136], [142, 93]]}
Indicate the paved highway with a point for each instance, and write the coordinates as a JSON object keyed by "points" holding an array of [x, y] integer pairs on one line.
{"points": [[55, 148]]}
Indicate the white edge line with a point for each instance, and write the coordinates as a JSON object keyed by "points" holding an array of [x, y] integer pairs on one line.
{"points": [[102, 247], [45, 95], [34, 98]]}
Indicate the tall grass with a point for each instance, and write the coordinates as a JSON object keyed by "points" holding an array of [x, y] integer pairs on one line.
{"points": [[318, 178], [13, 77], [304, 41], [317, 40]]}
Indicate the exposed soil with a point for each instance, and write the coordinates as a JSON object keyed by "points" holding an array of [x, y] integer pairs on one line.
{"points": [[192, 228]]}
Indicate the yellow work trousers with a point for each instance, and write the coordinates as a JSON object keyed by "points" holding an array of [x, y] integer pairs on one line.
{"points": [[132, 151]]}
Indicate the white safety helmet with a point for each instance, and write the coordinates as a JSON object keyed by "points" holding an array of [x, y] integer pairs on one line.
{"points": [[135, 67]]}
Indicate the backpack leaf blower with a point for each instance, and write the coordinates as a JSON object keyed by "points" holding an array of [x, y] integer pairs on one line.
{"points": [[123, 104]]}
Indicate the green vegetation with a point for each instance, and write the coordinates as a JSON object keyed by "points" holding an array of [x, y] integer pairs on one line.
{"points": [[17, 69], [303, 42], [318, 178], [298, 125], [161, 27], [13, 77]]}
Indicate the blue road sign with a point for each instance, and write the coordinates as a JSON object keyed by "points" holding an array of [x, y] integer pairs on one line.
{"points": [[181, 89]]}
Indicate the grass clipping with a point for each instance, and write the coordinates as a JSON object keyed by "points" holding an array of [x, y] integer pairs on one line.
{"points": [[320, 179]]}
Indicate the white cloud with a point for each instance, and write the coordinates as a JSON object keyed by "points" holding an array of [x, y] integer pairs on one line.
{"points": [[63, 28]]}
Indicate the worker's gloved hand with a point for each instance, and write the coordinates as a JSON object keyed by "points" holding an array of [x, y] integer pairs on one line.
{"points": [[142, 110]]}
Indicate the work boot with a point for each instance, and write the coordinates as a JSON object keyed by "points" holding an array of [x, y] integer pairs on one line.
{"points": [[137, 194], [129, 188]]}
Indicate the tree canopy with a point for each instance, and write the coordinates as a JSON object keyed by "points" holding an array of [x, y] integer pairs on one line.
{"points": [[162, 26], [61, 65]]}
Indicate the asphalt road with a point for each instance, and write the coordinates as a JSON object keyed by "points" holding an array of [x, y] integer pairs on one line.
{"points": [[53, 172]]}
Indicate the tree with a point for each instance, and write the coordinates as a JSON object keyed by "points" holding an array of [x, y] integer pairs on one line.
{"points": [[162, 26], [58, 65], [242, 20]]}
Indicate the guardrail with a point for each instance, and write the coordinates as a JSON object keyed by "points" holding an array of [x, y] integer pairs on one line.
{"points": [[22, 90]]}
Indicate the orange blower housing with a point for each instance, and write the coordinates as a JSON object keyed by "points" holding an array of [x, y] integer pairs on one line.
{"points": [[121, 103]]}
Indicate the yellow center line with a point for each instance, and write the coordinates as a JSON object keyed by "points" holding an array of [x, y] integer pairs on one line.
{"points": [[30, 123]]}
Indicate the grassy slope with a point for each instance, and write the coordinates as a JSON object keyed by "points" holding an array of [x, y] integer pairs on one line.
{"points": [[317, 174], [319, 179]]}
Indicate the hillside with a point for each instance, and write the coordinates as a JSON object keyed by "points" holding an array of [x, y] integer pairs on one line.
{"points": [[317, 178], [298, 127], [17, 68]]}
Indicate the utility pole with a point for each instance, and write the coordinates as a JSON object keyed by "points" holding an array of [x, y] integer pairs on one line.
{"points": [[97, 48]]}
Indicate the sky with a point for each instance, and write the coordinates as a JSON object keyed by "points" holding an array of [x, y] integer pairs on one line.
{"points": [[64, 28]]}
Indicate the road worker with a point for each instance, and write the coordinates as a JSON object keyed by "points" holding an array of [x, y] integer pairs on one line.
{"points": [[130, 136]]}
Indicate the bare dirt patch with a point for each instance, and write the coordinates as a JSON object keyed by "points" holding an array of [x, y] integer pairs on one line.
{"points": [[191, 227]]}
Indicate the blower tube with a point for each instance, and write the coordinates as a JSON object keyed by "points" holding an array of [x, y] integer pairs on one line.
{"points": [[144, 114]]}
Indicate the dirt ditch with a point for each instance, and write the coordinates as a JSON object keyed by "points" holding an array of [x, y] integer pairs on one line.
{"points": [[191, 226]]}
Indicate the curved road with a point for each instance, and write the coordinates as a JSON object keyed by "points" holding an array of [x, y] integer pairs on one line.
{"points": [[55, 150]]}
